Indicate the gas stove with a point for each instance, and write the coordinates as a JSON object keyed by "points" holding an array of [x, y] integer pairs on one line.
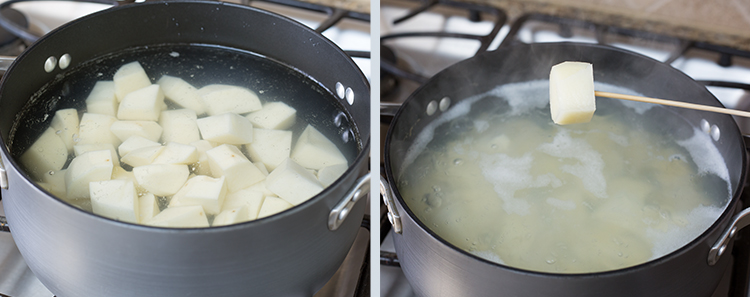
{"points": [[346, 24], [421, 38]]}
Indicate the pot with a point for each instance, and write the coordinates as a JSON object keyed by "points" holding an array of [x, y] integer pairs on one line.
{"points": [[435, 267], [292, 253]]}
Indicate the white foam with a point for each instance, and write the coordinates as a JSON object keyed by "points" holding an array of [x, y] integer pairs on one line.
{"points": [[590, 165], [561, 204], [698, 220], [706, 155]]}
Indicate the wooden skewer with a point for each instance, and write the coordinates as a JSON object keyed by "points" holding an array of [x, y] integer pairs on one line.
{"points": [[673, 103]]}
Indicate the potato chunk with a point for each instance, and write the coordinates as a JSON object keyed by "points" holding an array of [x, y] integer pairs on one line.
{"points": [[270, 147], [314, 151], [293, 182], [189, 216], [220, 99], [149, 207], [179, 126], [228, 160], [182, 93], [571, 93], [231, 216], [47, 153], [329, 174], [128, 78], [274, 115], [146, 129], [161, 179], [229, 128], [205, 191], [84, 169], [273, 205], [116, 199], [253, 200], [94, 128], [143, 104], [134, 143], [65, 122], [177, 153], [102, 99]]}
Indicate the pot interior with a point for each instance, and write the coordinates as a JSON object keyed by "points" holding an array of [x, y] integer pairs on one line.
{"points": [[498, 122]]}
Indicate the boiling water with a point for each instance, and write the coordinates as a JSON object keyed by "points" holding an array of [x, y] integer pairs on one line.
{"points": [[496, 177]]}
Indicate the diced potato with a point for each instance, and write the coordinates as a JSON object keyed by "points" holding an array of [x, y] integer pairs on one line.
{"points": [[261, 187], [219, 99], [128, 78], [313, 150], [65, 123], [204, 190], [143, 104], [55, 183], [182, 93], [273, 205], [270, 147], [179, 126], [161, 179], [48, 153], [116, 199], [202, 167], [191, 216], [293, 182], [146, 129], [94, 128], [274, 115], [149, 207], [142, 156], [329, 174], [227, 160], [253, 200], [176, 153], [231, 216], [262, 167], [134, 143], [571, 93], [81, 149], [102, 99], [86, 168], [229, 128], [121, 173]]}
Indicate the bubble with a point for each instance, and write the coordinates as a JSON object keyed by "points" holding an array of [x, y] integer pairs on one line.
{"points": [[458, 161]]}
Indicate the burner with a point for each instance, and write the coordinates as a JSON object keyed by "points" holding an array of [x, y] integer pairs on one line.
{"points": [[10, 44]]}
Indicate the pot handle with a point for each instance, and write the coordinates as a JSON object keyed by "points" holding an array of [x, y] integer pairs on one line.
{"points": [[3, 175], [387, 193], [339, 213], [739, 221]]}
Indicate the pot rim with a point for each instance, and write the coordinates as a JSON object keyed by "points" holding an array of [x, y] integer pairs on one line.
{"points": [[728, 211], [354, 168]]}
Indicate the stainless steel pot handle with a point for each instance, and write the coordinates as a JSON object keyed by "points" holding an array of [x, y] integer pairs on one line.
{"points": [[390, 203], [741, 220], [341, 211]]}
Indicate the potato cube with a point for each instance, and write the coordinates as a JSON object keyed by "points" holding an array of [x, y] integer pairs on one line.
{"points": [[273, 205], [143, 104], [262, 167], [47, 154], [146, 129], [202, 167], [293, 182], [314, 151], [260, 187], [149, 207], [121, 173], [248, 198], [81, 149], [270, 147], [190, 216], [177, 153], [231, 216], [86, 168], [227, 160], [115, 199], [94, 128], [229, 128], [55, 183], [274, 115], [128, 78], [161, 179], [179, 126], [181, 93], [204, 190], [102, 99], [142, 156], [65, 123], [329, 174], [219, 99], [134, 143], [571, 93]]}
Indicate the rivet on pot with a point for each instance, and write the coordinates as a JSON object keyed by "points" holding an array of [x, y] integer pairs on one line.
{"points": [[445, 103], [65, 61], [350, 96], [715, 133], [432, 108], [340, 90], [50, 64], [705, 126]]}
